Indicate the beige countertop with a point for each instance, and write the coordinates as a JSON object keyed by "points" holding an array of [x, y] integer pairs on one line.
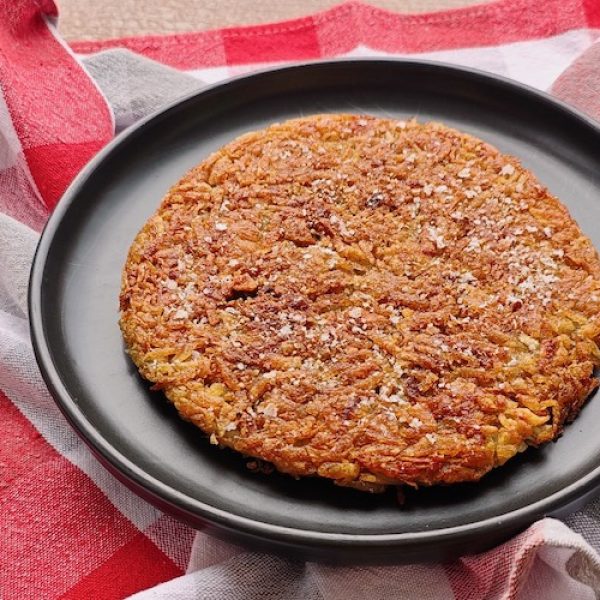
{"points": [[90, 19]]}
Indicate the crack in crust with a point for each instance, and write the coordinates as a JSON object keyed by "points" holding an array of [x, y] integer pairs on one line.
{"points": [[372, 301]]}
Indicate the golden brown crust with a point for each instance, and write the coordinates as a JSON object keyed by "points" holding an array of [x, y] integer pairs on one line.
{"points": [[368, 300]]}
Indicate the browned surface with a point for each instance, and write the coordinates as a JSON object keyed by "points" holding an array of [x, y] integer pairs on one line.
{"points": [[368, 300], [90, 19]]}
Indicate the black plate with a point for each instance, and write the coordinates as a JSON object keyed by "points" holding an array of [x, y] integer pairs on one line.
{"points": [[73, 310]]}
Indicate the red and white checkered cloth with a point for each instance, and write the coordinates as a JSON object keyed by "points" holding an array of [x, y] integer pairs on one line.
{"points": [[67, 528]]}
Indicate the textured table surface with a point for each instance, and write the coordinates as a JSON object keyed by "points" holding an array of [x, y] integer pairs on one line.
{"points": [[89, 19]]}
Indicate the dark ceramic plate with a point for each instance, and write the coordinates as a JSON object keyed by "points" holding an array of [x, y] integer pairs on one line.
{"points": [[138, 436]]}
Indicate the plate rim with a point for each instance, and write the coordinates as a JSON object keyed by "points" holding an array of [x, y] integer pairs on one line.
{"points": [[161, 491]]}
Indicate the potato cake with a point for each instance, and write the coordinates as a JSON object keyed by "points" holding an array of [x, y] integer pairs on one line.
{"points": [[369, 300]]}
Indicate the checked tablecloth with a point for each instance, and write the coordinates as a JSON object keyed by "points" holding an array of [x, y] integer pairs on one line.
{"points": [[68, 529]]}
